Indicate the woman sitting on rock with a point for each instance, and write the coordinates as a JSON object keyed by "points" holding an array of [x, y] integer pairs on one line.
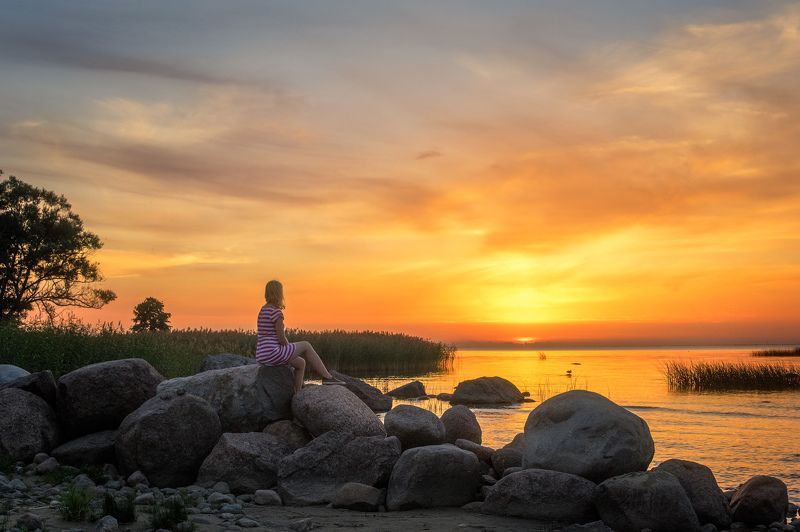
{"points": [[273, 349]]}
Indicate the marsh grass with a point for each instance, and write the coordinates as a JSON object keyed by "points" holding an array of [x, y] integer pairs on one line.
{"points": [[789, 352], [720, 376], [72, 345], [171, 515], [75, 503]]}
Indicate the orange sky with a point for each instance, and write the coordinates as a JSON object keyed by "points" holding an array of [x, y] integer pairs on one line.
{"points": [[471, 175]]}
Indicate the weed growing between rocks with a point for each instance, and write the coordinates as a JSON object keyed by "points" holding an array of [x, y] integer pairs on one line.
{"points": [[171, 515], [122, 509], [75, 503]]}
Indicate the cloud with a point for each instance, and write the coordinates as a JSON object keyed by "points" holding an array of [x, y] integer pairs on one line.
{"points": [[429, 154]]}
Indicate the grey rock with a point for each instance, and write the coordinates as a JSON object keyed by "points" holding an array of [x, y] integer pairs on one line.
{"points": [[218, 498], [505, 458], [10, 372], [246, 461], [701, 487], [653, 500], [312, 475], [594, 526], [460, 423], [246, 522], [40, 457], [410, 390], [358, 497], [474, 506], [543, 495], [760, 501], [231, 508], [145, 499], [585, 434], [221, 486], [302, 525], [432, 476], [483, 453], [41, 383], [486, 391], [225, 360], [267, 498], [324, 408], [444, 396], [136, 478], [29, 521], [289, 433], [414, 426], [709, 527], [518, 443], [372, 397], [168, 439], [99, 396], [511, 470], [48, 466], [27, 425], [92, 449], [246, 398], [17, 485], [106, 524]]}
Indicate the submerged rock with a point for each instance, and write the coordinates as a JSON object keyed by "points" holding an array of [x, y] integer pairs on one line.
{"points": [[701, 487], [585, 434], [760, 501], [324, 408], [460, 423], [486, 391], [372, 397], [410, 390], [28, 425], [98, 396], [414, 426], [246, 398]]}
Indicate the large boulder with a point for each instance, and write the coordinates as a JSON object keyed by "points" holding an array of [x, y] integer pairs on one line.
{"points": [[41, 383], [372, 397], [654, 500], [99, 396], [358, 497], [414, 426], [225, 360], [543, 495], [167, 439], [27, 425], [585, 434], [701, 487], [313, 474], [460, 423], [10, 372], [324, 408], [409, 390], [289, 432], [247, 461], [486, 391], [246, 398], [432, 476], [760, 501], [92, 449]]}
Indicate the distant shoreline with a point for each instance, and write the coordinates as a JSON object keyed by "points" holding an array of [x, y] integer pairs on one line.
{"points": [[558, 346]]}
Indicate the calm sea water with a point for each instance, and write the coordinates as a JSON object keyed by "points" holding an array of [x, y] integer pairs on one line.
{"points": [[736, 434]]}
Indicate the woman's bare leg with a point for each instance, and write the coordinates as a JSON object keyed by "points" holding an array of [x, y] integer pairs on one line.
{"points": [[299, 365], [305, 350]]}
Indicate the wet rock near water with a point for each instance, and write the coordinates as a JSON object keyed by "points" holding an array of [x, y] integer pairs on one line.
{"points": [[321, 408], [376, 400], [486, 391], [585, 434], [167, 439], [549, 496], [414, 426], [411, 390], [27, 425], [432, 476], [460, 423], [760, 501], [246, 398], [99, 396], [701, 487]]}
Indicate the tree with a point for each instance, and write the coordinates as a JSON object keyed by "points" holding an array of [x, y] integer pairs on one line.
{"points": [[149, 315], [44, 254]]}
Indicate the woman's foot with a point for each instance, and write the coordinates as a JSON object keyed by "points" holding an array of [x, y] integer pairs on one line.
{"points": [[332, 380]]}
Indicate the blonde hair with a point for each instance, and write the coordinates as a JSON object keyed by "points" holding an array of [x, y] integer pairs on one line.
{"points": [[273, 293]]}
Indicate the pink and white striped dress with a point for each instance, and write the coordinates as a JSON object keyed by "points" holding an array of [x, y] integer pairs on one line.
{"points": [[269, 350]]}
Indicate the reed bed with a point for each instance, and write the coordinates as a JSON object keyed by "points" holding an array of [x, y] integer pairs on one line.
{"points": [[788, 352], [721, 376], [176, 353]]}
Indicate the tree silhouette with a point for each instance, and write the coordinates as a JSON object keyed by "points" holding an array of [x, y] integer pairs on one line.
{"points": [[44, 254], [149, 315]]}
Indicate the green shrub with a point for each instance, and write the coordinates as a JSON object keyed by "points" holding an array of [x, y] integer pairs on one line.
{"points": [[74, 503], [171, 515]]}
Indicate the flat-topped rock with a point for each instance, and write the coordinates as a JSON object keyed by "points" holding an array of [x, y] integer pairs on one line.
{"points": [[376, 400], [323, 408], [246, 398], [486, 391]]}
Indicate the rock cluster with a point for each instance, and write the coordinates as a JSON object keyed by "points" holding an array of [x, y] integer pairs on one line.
{"points": [[235, 436]]}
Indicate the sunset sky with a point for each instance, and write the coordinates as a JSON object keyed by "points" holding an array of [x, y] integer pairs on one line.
{"points": [[461, 170]]}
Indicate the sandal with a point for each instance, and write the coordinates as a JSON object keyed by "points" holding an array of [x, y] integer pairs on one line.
{"points": [[332, 381]]}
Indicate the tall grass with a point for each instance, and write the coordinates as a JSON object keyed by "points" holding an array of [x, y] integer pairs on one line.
{"points": [[720, 376], [72, 345], [789, 352]]}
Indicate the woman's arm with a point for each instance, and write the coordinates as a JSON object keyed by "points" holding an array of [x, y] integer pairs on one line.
{"points": [[280, 330]]}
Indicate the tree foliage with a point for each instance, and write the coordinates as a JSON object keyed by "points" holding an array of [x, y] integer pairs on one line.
{"points": [[149, 315], [44, 254]]}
